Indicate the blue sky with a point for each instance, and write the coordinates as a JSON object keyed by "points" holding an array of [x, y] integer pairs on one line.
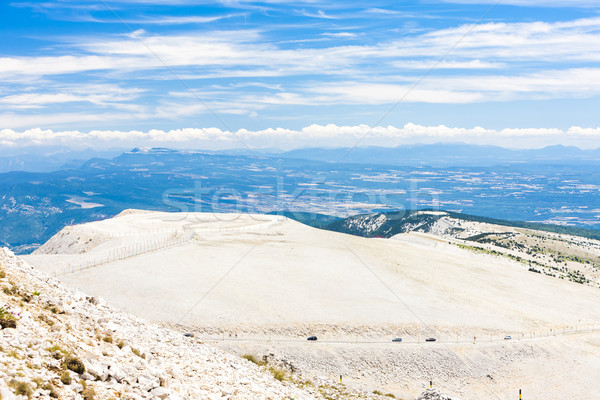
{"points": [[290, 74]]}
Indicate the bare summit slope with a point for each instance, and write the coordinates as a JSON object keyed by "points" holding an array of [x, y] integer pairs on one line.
{"points": [[260, 284], [236, 271]]}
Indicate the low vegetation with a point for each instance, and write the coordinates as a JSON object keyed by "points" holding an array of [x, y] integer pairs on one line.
{"points": [[8, 319], [278, 373], [74, 364], [88, 394], [50, 388], [377, 392], [535, 266], [137, 352], [65, 378], [252, 358], [21, 388]]}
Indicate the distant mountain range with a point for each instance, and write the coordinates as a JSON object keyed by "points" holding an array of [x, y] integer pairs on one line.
{"points": [[47, 159], [449, 155]]}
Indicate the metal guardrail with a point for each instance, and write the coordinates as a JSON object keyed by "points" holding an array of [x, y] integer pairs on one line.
{"points": [[126, 252]]}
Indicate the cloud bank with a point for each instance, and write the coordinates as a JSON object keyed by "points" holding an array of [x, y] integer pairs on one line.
{"points": [[311, 136]]}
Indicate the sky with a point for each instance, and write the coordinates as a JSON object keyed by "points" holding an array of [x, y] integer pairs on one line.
{"points": [[288, 74]]}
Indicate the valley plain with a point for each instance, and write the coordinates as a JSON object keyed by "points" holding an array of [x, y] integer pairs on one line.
{"points": [[35, 206]]}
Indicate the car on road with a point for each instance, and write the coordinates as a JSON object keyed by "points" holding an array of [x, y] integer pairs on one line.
{"points": [[312, 338], [398, 339], [507, 337], [430, 339]]}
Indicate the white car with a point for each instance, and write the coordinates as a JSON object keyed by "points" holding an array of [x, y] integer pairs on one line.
{"points": [[507, 337]]}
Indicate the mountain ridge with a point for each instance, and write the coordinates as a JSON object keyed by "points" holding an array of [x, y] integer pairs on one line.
{"points": [[449, 155], [437, 154]]}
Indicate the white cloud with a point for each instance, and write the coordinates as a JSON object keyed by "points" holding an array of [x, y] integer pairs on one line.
{"points": [[531, 3], [586, 132], [572, 83], [444, 64], [373, 93], [59, 65], [493, 62], [314, 135], [382, 11], [166, 20], [539, 42], [65, 118], [244, 51], [318, 14], [101, 94], [248, 98], [340, 34]]}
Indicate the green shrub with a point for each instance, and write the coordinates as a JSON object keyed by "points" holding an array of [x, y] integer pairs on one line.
{"points": [[53, 309], [74, 364], [377, 392], [46, 319], [8, 323], [108, 339], [11, 291], [65, 378], [137, 352], [26, 297], [88, 394], [21, 388], [8, 319], [278, 374], [252, 358], [50, 387], [57, 352]]}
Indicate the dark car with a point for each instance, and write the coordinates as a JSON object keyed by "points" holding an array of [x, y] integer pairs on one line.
{"points": [[430, 339], [311, 338], [398, 339]]}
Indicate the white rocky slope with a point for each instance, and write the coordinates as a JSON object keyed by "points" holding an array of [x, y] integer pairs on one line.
{"points": [[122, 356], [260, 285], [259, 276]]}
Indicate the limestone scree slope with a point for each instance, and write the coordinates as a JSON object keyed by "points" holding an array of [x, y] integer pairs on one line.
{"points": [[67, 345]]}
